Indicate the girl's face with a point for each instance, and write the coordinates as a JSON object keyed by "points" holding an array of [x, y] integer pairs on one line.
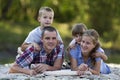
{"points": [[46, 18], [87, 45], [78, 38]]}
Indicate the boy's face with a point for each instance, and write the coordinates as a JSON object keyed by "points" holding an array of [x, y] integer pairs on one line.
{"points": [[49, 40], [46, 18]]}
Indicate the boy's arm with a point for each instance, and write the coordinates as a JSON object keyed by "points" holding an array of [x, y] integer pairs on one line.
{"points": [[26, 45]]}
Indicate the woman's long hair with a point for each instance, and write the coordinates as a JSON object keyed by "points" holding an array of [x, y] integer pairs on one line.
{"points": [[93, 34]]}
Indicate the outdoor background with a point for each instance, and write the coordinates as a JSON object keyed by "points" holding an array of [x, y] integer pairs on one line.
{"points": [[19, 17]]}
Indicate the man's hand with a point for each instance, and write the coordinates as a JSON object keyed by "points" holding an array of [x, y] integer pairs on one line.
{"points": [[32, 72], [41, 67]]}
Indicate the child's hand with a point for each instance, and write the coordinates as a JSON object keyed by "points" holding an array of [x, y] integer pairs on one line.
{"points": [[36, 47], [101, 55], [96, 54], [72, 46]]}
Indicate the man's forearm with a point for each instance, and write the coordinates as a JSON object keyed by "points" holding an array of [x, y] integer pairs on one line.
{"points": [[16, 69]]}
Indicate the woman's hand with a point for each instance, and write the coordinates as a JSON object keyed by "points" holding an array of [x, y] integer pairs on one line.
{"points": [[80, 72], [83, 67]]}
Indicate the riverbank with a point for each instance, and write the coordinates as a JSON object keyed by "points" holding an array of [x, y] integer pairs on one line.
{"points": [[114, 75]]}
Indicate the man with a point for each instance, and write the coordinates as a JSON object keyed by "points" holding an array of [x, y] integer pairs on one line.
{"points": [[47, 59]]}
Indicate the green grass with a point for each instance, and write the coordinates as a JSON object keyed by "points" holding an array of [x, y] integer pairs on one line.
{"points": [[8, 60], [114, 58]]}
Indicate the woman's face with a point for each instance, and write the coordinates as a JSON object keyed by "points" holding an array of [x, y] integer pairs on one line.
{"points": [[87, 45]]}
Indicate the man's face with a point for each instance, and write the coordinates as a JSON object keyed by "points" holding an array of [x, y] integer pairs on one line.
{"points": [[46, 18], [49, 40]]}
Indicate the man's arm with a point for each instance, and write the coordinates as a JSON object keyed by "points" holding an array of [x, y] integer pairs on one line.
{"points": [[23, 61], [57, 65], [44, 67], [17, 69]]}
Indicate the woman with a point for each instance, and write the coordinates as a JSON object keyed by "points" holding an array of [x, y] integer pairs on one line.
{"points": [[81, 56]]}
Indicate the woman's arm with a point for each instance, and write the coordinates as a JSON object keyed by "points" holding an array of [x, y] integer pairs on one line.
{"points": [[73, 64], [96, 69]]}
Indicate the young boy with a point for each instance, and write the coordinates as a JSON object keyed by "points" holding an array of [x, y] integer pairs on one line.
{"points": [[45, 18], [77, 31]]}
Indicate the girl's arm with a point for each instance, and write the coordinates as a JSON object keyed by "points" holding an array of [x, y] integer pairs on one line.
{"points": [[101, 55]]}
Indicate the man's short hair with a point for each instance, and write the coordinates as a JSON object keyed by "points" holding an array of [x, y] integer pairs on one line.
{"points": [[48, 28]]}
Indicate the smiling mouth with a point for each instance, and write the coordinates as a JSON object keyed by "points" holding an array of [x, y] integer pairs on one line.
{"points": [[47, 23]]}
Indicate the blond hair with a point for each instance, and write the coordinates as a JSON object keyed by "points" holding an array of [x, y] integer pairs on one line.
{"points": [[42, 9]]}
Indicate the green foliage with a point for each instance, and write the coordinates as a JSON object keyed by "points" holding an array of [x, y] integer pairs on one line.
{"points": [[18, 17], [100, 15], [113, 58]]}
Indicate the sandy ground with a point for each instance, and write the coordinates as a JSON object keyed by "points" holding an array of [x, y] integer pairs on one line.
{"points": [[114, 75]]}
